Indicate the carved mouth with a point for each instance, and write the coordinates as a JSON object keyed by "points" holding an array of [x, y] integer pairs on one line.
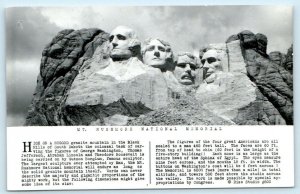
{"points": [[208, 74], [186, 77], [187, 80], [115, 49], [156, 59]]}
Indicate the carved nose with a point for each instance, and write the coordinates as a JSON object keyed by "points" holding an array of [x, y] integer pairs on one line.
{"points": [[205, 68], [206, 64], [188, 68], [114, 44]]}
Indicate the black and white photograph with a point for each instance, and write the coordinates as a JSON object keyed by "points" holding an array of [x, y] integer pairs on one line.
{"points": [[149, 65], [149, 97]]}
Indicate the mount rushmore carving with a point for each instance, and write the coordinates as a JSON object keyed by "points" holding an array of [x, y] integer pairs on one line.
{"points": [[90, 77]]}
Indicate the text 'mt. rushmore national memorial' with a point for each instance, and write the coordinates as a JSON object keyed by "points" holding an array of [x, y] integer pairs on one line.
{"points": [[90, 77]]}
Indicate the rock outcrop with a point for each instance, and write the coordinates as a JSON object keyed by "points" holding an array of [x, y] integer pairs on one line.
{"points": [[274, 83], [60, 64], [79, 84], [277, 57]]}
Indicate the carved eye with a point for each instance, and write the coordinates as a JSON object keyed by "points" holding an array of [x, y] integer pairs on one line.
{"points": [[121, 37], [111, 38], [150, 48], [162, 49], [193, 67], [209, 60], [181, 65]]}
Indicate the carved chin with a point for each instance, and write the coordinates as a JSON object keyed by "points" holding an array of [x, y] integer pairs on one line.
{"points": [[157, 64], [210, 78], [119, 55]]}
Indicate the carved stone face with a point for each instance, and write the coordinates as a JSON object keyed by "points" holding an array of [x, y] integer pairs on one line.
{"points": [[120, 42], [185, 70], [211, 65], [155, 54]]}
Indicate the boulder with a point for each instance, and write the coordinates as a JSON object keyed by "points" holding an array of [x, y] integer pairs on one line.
{"points": [[247, 39], [262, 42]]}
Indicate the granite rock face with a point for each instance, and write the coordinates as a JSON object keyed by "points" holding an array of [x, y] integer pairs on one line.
{"points": [[232, 95], [79, 84], [277, 57], [274, 83], [61, 61]]}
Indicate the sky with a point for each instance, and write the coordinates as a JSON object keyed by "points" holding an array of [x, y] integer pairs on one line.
{"points": [[186, 28]]}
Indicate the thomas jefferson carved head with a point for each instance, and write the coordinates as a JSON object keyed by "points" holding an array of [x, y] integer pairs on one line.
{"points": [[123, 43], [157, 53]]}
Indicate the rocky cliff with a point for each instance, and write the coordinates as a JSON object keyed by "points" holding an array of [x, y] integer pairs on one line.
{"points": [[60, 64], [274, 80], [80, 85]]}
